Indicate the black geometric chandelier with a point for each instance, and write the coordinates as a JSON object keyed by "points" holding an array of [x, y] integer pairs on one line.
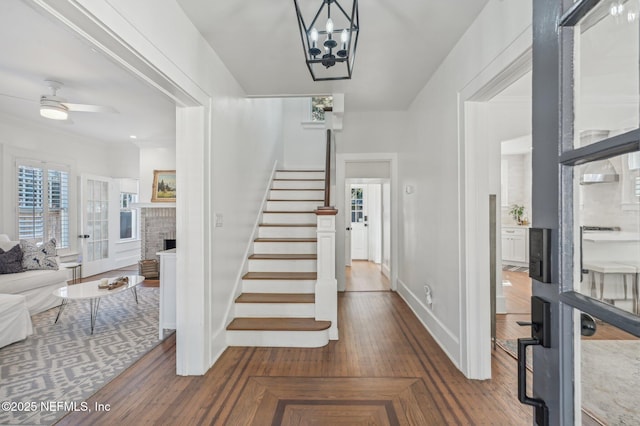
{"points": [[331, 37]]}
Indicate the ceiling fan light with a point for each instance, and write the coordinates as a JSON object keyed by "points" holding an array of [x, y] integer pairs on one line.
{"points": [[54, 112]]}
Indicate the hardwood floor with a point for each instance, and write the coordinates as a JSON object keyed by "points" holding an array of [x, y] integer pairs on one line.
{"points": [[518, 306], [366, 276], [518, 300], [385, 369]]}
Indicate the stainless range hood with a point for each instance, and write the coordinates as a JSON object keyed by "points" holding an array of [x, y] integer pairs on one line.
{"points": [[598, 172]]}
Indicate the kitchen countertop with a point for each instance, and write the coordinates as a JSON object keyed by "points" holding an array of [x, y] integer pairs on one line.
{"points": [[600, 236]]}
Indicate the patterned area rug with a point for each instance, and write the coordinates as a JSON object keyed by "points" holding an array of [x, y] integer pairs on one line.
{"points": [[610, 379], [58, 367]]}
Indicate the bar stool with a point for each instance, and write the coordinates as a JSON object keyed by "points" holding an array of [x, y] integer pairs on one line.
{"points": [[636, 283], [601, 268]]}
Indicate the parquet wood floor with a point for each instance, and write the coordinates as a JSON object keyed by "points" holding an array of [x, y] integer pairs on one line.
{"points": [[385, 369]]}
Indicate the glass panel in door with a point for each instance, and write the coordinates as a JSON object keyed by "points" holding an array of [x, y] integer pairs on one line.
{"points": [[608, 364], [95, 224], [359, 234], [606, 72], [607, 212], [599, 214]]}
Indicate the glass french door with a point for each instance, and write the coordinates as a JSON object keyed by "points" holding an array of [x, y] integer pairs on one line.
{"points": [[586, 190], [94, 235]]}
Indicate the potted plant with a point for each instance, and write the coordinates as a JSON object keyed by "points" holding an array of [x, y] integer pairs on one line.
{"points": [[517, 211]]}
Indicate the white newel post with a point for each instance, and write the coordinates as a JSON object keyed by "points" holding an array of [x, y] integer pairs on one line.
{"points": [[327, 285]]}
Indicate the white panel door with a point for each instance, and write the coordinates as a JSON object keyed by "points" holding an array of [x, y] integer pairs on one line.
{"points": [[359, 231], [347, 235], [94, 226]]}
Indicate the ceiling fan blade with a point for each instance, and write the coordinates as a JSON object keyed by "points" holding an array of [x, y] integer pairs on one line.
{"points": [[6, 95], [89, 108]]}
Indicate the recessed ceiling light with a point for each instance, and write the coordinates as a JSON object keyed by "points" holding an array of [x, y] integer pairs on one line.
{"points": [[133, 137]]}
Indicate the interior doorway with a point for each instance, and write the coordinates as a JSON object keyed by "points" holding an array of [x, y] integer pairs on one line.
{"points": [[367, 240], [515, 217], [375, 174]]}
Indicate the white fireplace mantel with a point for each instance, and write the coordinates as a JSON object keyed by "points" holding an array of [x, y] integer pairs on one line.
{"points": [[153, 205]]}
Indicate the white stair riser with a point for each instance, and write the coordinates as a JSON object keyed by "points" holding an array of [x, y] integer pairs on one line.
{"points": [[275, 310], [299, 175], [293, 206], [298, 339], [284, 248], [298, 184], [279, 286], [287, 232], [287, 218], [282, 265], [280, 194]]}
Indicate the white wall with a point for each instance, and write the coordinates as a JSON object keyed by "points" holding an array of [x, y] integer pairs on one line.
{"points": [[160, 158], [430, 230], [225, 152], [374, 213], [304, 142], [508, 121], [386, 230], [369, 132], [29, 140]]}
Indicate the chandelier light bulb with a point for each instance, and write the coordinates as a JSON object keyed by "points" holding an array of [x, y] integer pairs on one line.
{"points": [[344, 36], [329, 26], [314, 34], [616, 9]]}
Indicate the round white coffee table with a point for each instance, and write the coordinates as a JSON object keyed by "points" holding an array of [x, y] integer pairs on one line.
{"points": [[89, 290]]}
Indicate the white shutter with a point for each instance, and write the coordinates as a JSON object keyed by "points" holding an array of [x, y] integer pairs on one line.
{"points": [[58, 207], [43, 203], [30, 203]]}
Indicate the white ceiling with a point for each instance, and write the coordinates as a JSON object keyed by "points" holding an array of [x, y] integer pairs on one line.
{"points": [[35, 48], [401, 44]]}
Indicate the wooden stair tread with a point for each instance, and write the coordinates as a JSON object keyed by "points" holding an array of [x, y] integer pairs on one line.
{"points": [[289, 211], [286, 240], [295, 225], [307, 201], [283, 256], [278, 324], [280, 276], [298, 171], [276, 298]]}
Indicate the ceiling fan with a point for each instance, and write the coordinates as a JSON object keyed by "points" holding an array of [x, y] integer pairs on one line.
{"points": [[56, 108]]}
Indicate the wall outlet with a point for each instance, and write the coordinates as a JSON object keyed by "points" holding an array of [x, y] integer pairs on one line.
{"points": [[428, 297]]}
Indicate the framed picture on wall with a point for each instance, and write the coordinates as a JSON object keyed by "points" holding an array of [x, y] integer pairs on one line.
{"points": [[164, 186]]}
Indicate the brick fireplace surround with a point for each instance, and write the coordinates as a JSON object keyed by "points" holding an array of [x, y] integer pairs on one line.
{"points": [[156, 225]]}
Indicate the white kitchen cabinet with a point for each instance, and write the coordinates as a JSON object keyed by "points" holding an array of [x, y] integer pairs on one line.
{"points": [[515, 245], [167, 317]]}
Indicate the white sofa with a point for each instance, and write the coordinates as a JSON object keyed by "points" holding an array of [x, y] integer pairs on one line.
{"points": [[36, 286], [15, 322]]}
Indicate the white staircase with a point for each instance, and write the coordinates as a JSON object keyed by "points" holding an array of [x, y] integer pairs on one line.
{"points": [[277, 304]]}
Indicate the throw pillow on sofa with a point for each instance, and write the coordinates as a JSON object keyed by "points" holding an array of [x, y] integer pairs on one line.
{"points": [[39, 256], [11, 260]]}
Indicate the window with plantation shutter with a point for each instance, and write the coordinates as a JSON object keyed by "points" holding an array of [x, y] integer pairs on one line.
{"points": [[43, 203]]}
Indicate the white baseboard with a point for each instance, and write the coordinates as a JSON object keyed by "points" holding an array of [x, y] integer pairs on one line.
{"points": [[386, 271], [218, 345], [447, 340], [501, 305]]}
